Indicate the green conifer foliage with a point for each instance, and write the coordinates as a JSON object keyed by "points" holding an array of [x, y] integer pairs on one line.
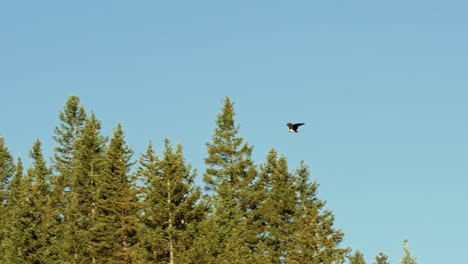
{"points": [[88, 166], [172, 210], [72, 119], [381, 258], [148, 170], [357, 258], [37, 218], [7, 169], [229, 157], [277, 208], [115, 221], [95, 209], [317, 240], [13, 244], [229, 176], [407, 258], [293, 225]]}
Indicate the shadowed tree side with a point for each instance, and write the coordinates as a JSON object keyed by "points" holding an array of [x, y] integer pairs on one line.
{"points": [[7, 171], [14, 242]]}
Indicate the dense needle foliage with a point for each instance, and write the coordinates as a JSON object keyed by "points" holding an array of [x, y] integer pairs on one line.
{"points": [[97, 203]]}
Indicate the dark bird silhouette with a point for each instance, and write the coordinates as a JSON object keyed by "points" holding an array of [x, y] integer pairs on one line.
{"points": [[293, 127]]}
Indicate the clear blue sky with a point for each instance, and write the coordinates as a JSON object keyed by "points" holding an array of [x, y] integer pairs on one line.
{"points": [[381, 86]]}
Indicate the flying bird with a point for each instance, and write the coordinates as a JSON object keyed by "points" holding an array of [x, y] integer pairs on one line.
{"points": [[293, 127]]}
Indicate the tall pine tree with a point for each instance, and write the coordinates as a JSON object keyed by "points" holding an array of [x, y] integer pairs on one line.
{"points": [[172, 207], [275, 216], [317, 240], [7, 171], [15, 240], [407, 258], [229, 175], [115, 220], [148, 170], [35, 216], [72, 119], [7, 168], [293, 225], [80, 215]]}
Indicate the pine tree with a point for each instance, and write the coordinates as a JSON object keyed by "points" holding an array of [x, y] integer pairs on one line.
{"points": [[317, 240], [148, 169], [229, 157], [172, 210], [35, 218], [294, 226], [72, 119], [276, 211], [114, 230], [227, 230], [357, 258], [381, 258], [88, 165], [230, 174], [7, 168], [14, 243], [407, 258]]}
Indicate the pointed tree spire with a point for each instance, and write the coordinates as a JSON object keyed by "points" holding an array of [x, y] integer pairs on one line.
{"points": [[229, 157], [72, 119], [407, 258], [357, 258], [381, 258]]}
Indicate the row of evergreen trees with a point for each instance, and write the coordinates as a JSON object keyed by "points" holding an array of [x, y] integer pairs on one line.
{"points": [[95, 204]]}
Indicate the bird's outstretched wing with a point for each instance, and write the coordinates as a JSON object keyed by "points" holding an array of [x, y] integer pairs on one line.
{"points": [[298, 124]]}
